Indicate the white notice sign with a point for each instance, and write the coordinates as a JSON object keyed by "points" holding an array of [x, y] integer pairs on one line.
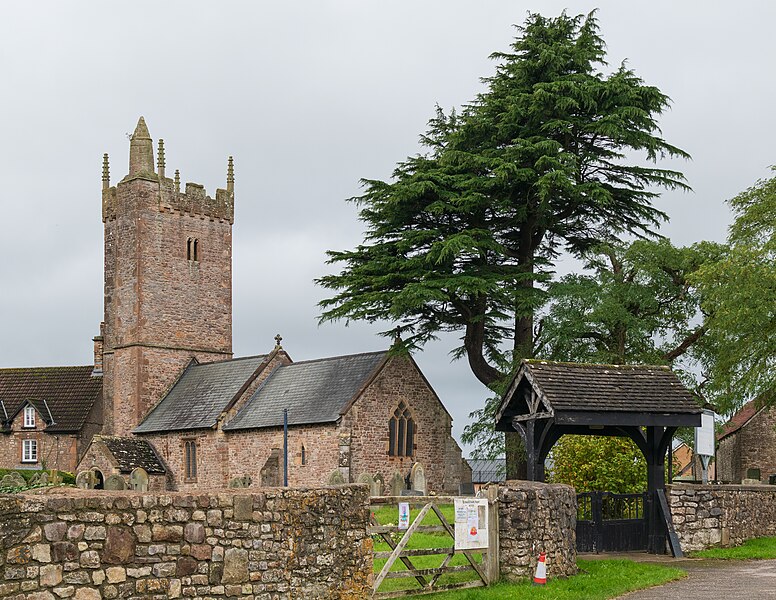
{"points": [[704, 435], [471, 523], [404, 515]]}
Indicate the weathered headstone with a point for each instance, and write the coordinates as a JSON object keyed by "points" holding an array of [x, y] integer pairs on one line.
{"points": [[12, 479], [411, 493], [84, 480], [367, 479], [335, 478], [115, 482], [138, 480], [466, 489], [270, 472], [397, 484], [43, 478], [378, 489], [418, 479]]}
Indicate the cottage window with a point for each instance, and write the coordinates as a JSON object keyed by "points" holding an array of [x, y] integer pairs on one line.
{"points": [[190, 460], [401, 432], [29, 451], [29, 416]]}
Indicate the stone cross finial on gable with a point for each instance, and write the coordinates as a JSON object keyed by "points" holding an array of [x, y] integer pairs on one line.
{"points": [[278, 339]]}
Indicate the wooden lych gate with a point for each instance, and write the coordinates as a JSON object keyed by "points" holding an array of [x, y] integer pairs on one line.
{"points": [[399, 559]]}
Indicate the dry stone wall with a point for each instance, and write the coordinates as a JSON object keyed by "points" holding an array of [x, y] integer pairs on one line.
{"points": [[722, 515], [273, 544], [534, 518]]}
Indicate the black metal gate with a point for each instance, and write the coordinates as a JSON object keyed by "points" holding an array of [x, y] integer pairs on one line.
{"points": [[609, 522]]}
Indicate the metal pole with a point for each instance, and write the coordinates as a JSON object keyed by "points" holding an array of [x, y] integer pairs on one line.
{"points": [[285, 447]]}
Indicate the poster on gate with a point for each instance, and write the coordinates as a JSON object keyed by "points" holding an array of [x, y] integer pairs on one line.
{"points": [[471, 523], [404, 515]]}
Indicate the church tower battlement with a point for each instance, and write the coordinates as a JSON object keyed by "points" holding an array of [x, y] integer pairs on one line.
{"points": [[168, 280]]}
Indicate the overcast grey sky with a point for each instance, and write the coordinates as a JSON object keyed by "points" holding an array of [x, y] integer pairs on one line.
{"points": [[310, 97]]}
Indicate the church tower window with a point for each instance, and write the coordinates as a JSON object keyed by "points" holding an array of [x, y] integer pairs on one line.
{"points": [[192, 249], [401, 432]]}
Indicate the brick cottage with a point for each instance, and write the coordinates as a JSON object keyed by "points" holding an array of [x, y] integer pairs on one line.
{"points": [[174, 409]]}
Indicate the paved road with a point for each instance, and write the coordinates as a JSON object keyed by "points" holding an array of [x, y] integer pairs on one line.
{"points": [[723, 579]]}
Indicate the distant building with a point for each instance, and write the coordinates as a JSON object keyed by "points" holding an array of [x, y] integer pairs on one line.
{"points": [[486, 471], [747, 444]]}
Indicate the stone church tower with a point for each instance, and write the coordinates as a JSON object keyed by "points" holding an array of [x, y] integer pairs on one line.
{"points": [[168, 281]]}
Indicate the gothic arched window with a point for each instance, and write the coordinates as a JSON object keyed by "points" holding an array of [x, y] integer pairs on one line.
{"points": [[401, 432], [192, 249]]}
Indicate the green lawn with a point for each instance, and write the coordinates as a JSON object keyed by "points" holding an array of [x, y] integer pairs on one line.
{"points": [[597, 580], [759, 549]]}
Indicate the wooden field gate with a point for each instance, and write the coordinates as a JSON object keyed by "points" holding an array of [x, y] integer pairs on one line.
{"points": [[486, 570]]}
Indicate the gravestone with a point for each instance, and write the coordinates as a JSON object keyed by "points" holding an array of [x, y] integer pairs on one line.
{"points": [[396, 484], [43, 478], [138, 480], [367, 479], [12, 479], [335, 478], [412, 493], [115, 482], [378, 489], [418, 479], [243, 481], [270, 472], [466, 489], [84, 480]]}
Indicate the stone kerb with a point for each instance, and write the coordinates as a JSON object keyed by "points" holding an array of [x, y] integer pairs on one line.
{"points": [[721, 515], [533, 518], [268, 543]]}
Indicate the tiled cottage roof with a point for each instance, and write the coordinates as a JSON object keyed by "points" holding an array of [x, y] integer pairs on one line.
{"points": [[200, 395], [62, 396], [741, 418], [131, 453], [588, 387], [315, 391]]}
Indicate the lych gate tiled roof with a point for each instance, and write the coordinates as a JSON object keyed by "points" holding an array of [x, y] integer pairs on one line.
{"points": [[623, 388], [131, 453], [200, 395], [62, 396], [315, 391]]}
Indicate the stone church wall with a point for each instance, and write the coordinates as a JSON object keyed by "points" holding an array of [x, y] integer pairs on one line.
{"points": [[722, 515], [368, 419], [294, 543], [249, 451], [751, 447]]}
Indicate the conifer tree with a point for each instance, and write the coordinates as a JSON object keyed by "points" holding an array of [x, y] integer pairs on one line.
{"points": [[538, 163]]}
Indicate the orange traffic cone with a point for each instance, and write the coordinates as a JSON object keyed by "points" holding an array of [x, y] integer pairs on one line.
{"points": [[540, 578]]}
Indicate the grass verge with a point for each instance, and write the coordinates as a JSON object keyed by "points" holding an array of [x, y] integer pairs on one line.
{"points": [[757, 549], [597, 580]]}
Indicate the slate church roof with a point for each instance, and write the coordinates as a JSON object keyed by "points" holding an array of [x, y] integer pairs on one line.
{"points": [[314, 391], [62, 396], [200, 395]]}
